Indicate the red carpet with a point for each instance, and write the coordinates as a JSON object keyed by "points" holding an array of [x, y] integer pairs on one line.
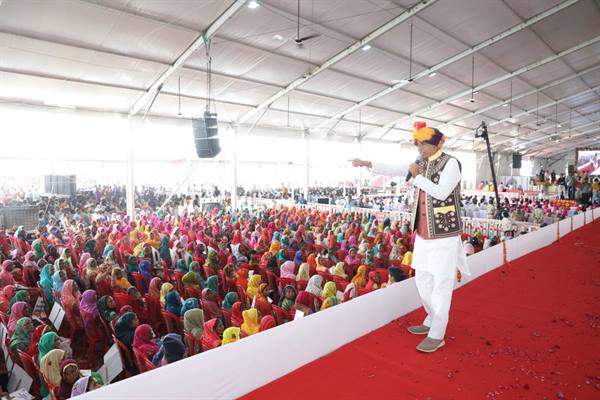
{"points": [[528, 331]]}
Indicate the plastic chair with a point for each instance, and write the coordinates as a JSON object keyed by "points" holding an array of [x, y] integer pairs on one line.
{"points": [[141, 282], [383, 274], [272, 284], [29, 277], [193, 344], [126, 357], [325, 275], [191, 292], [242, 294], [178, 276], [172, 322], [301, 285], [122, 299], [154, 316], [75, 322], [283, 282], [108, 331], [29, 367], [149, 366], [141, 361], [226, 317], [95, 336], [4, 316], [280, 314], [166, 271], [209, 271], [340, 283], [56, 295]]}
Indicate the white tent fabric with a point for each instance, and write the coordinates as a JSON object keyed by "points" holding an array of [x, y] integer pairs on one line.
{"points": [[104, 54]]}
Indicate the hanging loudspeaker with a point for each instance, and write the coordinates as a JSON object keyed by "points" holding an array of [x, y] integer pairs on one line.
{"points": [[516, 161], [206, 135]]}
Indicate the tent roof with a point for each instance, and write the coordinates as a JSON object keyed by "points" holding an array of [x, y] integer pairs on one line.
{"points": [[105, 54]]}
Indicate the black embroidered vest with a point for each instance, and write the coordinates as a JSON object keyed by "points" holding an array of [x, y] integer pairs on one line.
{"points": [[443, 216]]}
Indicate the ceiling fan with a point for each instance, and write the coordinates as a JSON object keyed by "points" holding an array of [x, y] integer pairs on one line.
{"points": [[300, 40]]}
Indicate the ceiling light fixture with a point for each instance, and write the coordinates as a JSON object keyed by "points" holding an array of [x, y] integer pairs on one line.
{"points": [[278, 37], [472, 99], [179, 95], [366, 47], [537, 110], [431, 75], [253, 4], [410, 53]]}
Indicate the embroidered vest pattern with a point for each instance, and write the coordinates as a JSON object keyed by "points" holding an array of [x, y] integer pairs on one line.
{"points": [[443, 216]]}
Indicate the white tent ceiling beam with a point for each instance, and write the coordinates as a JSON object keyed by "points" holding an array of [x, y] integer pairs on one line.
{"points": [[237, 41], [532, 131], [187, 53], [317, 27], [551, 104], [448, 61], [495, 81], [341, 55], [564, 148], [566, 142], [522, 141], [191, 69], [517, 97], [174, 94], [537, 131]]}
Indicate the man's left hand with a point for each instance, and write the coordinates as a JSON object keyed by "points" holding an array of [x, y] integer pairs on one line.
{"points": [[413, 169]]}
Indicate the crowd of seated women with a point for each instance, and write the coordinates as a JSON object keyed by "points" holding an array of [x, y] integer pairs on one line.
{"points": [[167, 287]]}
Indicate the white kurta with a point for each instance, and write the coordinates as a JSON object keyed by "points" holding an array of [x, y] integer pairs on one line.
{"points": [[435, 260]]}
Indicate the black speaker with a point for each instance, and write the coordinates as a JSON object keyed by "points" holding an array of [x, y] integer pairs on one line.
{"points": [[205, 135], [65, 185], [516, 161]]}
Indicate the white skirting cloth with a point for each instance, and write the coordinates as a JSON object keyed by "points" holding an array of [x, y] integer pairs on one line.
{"points": [[435, 262]]}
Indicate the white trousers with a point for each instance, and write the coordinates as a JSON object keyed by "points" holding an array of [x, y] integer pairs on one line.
{"points": [[436, 295]]}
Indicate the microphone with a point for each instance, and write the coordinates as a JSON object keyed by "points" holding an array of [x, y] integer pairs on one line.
{"points": [[419, 160]]}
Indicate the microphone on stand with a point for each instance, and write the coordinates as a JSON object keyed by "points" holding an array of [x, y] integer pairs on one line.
{"points": [[418, 161]]}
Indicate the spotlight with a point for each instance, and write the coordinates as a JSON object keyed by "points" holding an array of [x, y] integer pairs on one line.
{"points": [[431, 75], [253, 4], [366, 47]]}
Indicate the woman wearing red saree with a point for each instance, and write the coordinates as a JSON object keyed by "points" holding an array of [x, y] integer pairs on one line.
{"points": [[237, 319], [213, 334], [262, 303]]}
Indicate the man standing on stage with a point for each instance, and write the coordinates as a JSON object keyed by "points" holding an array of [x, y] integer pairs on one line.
{"points": [[438, 250]]}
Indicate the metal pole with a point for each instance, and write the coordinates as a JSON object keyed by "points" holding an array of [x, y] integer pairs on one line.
{"points": [[130, 189], [307, 172], [234, 169], [358, 143], [489, 151]]}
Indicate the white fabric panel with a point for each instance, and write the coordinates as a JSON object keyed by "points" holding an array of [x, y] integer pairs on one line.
{"points": [[278, 355], [565, 227], [578, 221]]}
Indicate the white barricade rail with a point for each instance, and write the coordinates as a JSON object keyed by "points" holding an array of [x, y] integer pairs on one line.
{"points": [[269, 355], [488, 227]]}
